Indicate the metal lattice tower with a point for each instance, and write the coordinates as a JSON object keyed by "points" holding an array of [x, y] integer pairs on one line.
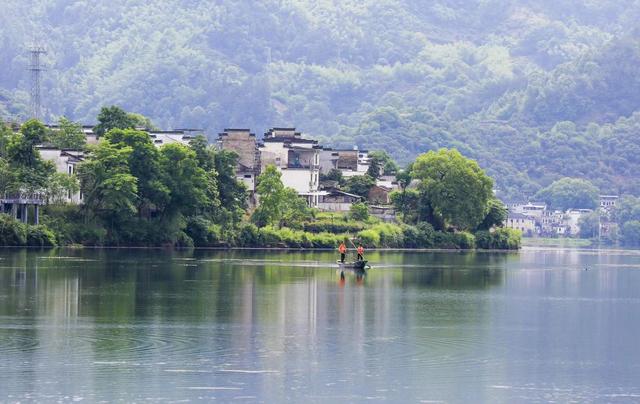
{"points": [[36, 68]]}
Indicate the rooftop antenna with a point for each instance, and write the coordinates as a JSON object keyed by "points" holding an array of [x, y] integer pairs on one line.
{"points": [[36, 68]]}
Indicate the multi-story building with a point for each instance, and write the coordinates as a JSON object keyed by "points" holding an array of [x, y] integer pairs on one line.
{"points": [[65, 162], [526, 224], [244, 143], [533, 209], [608, 202], [350, 162], [297, 158]]}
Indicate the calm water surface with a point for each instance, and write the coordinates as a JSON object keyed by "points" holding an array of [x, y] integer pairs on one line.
{"points": [[138, 325]]}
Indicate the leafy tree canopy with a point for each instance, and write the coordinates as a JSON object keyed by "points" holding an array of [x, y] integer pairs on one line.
{"points": [[360, 185], [113, 117], [569, 193], [457, 188], [69, 135]]}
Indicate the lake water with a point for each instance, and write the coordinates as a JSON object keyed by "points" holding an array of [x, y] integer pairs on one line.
{"points": [[153, 325]]}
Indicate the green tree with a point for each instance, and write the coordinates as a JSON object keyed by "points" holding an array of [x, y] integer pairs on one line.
{"points": [[570, 193], [627, 209], [359, 211], [496, 216], [404, 178], [141, 121], [21, 149], [631, 233], [456, 188], [60, 185], [5, 136], [295, 211], [31, 171], [233, 193], [383, 163], [589, 225], [272, 197], [144, 165], [333, 175], [110, 191], [8, 178], [360, 185], [69, 135], [185, 180], [113, 117], [279, 206], [375, 168], [406, 202]]}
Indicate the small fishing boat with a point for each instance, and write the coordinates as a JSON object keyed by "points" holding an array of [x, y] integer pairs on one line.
{"points": [[353, 265]]}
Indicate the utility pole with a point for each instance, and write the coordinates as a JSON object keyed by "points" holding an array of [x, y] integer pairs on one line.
{"points": [[36, 68]]}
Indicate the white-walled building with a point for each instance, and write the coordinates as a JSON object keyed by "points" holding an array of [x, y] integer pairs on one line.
{"points": [[608, 202], [526, 224], [533, 209], [297, 158], [65, 162]]}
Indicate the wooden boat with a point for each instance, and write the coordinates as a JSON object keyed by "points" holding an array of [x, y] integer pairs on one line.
{"points": [[353, 265]]}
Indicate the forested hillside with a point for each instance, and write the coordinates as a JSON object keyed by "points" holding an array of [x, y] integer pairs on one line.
{"points": [[534, 90]]}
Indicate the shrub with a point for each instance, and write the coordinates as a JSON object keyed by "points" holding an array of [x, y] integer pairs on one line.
{"points": [[359, 211], [325, 240], [443, 239], [390, 235], [40, 236], [249, 236], [335, 227], [369, 238], [464, 240], [499, 239], [12, 231], [410, 234], [183, 240], [420, 236], [198, 230], [426, 235], [270, 237], [89, 235]]}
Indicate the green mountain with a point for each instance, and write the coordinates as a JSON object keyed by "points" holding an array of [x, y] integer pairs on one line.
{"points": [[534, 90]]}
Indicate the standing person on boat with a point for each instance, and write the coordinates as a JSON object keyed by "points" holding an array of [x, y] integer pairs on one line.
{"points": [[360, 252], [343, 251]]}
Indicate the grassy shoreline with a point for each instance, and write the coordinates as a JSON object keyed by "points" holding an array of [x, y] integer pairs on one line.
{"points": [[557, 242]]}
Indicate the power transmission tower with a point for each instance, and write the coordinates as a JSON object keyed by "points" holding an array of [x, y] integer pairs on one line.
{"points": [[36, 68]]}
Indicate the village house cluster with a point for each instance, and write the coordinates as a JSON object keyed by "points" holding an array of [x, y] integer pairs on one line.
{"points": [[536, 219], [300, 160]]}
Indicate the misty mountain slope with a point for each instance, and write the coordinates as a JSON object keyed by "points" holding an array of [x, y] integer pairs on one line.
{"points": [[499, 80]]}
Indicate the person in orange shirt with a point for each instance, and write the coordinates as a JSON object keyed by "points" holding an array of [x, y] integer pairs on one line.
{"points": [[343, 251], [360, 252]]}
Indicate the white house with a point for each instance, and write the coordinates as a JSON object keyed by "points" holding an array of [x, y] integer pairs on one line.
{"points": [[350, 162], [524, 223], [533, 209], [65, 162], [608, 201], [297, 158]]}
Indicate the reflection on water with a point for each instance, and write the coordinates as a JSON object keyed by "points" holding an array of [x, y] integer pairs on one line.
{"points": [[159, 325]]}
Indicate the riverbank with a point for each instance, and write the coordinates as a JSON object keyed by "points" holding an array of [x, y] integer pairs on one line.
{"points": [[314, 235], [557, 242]]}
